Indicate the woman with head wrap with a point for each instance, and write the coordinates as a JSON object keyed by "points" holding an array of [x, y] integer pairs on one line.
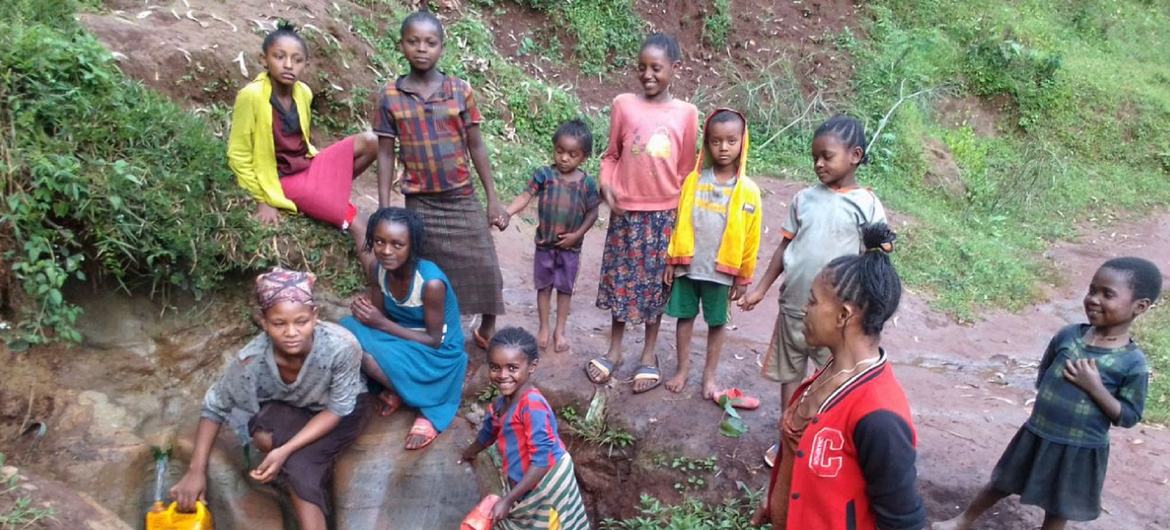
{"points": [[300, 382]]}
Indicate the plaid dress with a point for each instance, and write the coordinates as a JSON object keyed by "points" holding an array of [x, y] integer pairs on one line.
{"points": [[1057, 460]]}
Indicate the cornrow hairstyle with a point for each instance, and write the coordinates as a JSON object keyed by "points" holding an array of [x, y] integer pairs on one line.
{"points": [[284, 28], [394, 215], [577, 130], [869, 281], [1144, 277], [422, 16], [665, 43], [517, 338], [847, 129]]}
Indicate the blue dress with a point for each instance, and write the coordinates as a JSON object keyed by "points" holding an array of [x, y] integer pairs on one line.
{"points": [[428, 379]]}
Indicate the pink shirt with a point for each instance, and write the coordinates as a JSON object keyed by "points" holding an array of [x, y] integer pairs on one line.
{"points": [[651, 150]]}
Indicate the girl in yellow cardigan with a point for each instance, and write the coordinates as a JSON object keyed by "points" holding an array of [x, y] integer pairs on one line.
{"points": [[270, 150], [713, 248]]}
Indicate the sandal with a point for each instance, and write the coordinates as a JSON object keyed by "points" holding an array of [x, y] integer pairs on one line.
{"points": [[422, 427], [603, 365], [647, 372], [737, 398]]}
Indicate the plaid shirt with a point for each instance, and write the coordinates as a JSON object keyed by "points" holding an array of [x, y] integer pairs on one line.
{"points": [[431, 134], [1064, 413], [562, 204]]}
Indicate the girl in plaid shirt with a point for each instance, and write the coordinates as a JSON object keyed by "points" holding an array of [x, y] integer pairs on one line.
{"points": [[1092, 376]]}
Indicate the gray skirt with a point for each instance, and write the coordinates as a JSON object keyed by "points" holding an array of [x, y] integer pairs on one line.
{"points": [[1064, 480], [459, 241]]}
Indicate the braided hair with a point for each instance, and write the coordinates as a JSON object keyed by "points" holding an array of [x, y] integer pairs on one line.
{"points": [[847, 129], [423, 16], [664, 42], [1144, 277], [284, 28], [868, 280], [395, 215], [518, 338]]}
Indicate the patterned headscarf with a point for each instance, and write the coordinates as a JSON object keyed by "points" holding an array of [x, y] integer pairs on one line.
{"points": [[281, 285]]}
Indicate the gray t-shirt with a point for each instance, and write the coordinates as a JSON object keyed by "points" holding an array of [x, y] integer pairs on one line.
{"points": [[709, 218], [330, 378], [823, 224]]}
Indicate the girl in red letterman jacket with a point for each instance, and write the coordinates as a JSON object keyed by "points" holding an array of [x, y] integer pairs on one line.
{"points": [[847, 461]]}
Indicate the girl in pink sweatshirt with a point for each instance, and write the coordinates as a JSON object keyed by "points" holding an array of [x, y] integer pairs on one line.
{"points": [[652, 139]]}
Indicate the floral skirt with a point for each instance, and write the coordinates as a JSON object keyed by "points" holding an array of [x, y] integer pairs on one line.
{"points": [[632, 266]]}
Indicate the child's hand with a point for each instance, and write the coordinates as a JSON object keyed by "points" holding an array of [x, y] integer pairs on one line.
{"points": [[1083, 373], [193, 487], [500, 510], [266, 214], [737, 290], [365, 312], [568, 240], [748, 302], [268, 469], [668, 276], [607, 194], [497, 216]]}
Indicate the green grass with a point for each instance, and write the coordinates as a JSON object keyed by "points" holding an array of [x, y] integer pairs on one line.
{"points": [[17, 510], [734, 513], [1079, 141], [606, 32], [1152, 333]]}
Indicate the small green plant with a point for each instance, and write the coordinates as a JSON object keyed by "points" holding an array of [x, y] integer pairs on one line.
{"points": [[16, 507], [607, 32], [717, 24], [595, 430], [695, 472], [732, 425], [734, 513], [489, 393]]}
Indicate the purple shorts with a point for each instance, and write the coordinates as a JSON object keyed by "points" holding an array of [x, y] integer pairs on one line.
{"points": [[555, 268]]}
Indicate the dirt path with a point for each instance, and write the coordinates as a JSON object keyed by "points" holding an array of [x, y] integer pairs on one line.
{"points": [[969, 385]]}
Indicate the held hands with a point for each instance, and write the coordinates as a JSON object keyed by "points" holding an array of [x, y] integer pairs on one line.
{"points": [[748, 302], [192, 488], [668, 276], [365, 311], [266, 214], [270, 467], [737, 290], [1083, 373], [497, 215]]}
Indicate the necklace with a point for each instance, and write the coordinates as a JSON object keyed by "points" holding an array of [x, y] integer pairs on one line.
{"points": [[812, 388]]}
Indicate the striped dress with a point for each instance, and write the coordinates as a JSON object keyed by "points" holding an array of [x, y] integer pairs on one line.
{"points": [[526, 434]]}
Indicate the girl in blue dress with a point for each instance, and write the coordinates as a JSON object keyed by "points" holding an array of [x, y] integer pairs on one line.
{"points": [[408, 326]]}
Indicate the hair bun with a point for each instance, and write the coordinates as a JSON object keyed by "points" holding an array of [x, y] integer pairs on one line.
{"points": [[877, 237], [286, 25]]}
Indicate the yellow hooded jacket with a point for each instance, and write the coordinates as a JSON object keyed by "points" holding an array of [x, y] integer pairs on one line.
{"points": [[741, 237], [251, 148]]}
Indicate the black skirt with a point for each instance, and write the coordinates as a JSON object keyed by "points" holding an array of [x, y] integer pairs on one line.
{"points": [[1064, 480]]}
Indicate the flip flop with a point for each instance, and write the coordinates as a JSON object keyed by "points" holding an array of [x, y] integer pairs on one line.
{"points": [[603, 365], [771, 454], [738, 398], [647, 372], [479, 340], [423, 427]]}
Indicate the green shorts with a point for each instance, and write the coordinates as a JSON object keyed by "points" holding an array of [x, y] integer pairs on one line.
{"points": [[686, 295]]}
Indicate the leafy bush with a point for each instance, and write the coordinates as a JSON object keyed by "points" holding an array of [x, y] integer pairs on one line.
{"points": [[102, 176], [717, 24], [607, 32]]}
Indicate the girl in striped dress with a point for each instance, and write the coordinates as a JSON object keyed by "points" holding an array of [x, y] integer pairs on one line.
{"points": [[542, 487]]}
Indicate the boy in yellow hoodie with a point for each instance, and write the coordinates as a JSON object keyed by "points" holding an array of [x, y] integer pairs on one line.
{"points": [[713, 248]]}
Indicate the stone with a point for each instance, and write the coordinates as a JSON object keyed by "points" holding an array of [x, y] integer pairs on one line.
{"points": [[941, 170]]}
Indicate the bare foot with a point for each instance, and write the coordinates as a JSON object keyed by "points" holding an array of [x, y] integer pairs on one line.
{"points": [[390, 402], [560, 343], [677, 383], [958, 523], [709, 388], [542, 339]]}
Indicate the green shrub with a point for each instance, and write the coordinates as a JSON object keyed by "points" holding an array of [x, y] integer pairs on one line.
{"points": [[607, 32], [102, 176], [717, 24]]}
